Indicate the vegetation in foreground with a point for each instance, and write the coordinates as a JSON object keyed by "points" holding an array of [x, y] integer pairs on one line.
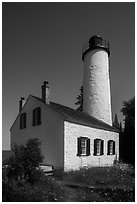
{"points": [[110, 184], [117, 176], [23, 181]]}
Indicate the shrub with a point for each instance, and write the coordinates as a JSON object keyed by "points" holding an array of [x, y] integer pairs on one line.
{"points": [[59, 173], [45, 189], [24, 161], [22, 191]]}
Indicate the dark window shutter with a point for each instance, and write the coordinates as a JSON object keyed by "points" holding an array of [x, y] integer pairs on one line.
{"points": [[95, 147], [33, 123], [36, 116], [88, 147], [113, 147], [25, 118], [20, 121], [39, 115], [108, 152], [102, 147], [79, 146]]}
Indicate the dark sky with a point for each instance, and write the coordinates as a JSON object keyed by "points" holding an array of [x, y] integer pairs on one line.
{"points": [[43, 41]]}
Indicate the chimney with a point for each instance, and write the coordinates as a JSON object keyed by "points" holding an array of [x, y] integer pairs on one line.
{"points": [[46, 92], [21, 103]]}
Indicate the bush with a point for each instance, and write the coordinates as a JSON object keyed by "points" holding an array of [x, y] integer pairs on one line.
{"points": [[24, 161], [45, 189], [22, 192], [59, 173], [24, 181]]}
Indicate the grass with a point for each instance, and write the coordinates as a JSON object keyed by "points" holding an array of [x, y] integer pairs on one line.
{"points": [[96, 184], [101, 177], [110, 184], [43, 189]]}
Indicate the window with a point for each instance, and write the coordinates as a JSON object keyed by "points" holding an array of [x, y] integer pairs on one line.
{"points": [[37, 116], [111, 147], [98, 147], [83, 146], [23, 120]]}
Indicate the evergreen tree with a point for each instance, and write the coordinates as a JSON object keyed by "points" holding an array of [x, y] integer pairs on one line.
{"points": [[116, 122], [121, 156], [120, 127], [79, 102], [128, 111]]}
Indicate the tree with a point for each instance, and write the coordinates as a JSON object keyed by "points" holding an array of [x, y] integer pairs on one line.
{"points": [[128, 111], [116, 122], [79, 102], [24, 161], [121, 146]]}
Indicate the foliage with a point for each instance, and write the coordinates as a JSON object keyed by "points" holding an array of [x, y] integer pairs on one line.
{"points": [[23, 191], [59, 173], [128, 111], [109, 184], [116, 123], [23, 180], [79, 102], [102, 176], [24, 161], [128, 138]]}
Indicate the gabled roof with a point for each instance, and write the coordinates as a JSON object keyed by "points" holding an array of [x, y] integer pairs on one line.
{"points": [[78, 117]]}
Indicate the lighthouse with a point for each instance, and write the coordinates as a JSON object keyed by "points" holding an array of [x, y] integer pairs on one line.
{"points": [[96, 82]]}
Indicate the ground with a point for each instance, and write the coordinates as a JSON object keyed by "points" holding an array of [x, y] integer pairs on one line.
{"points": [[96, 184], [108, 184]]}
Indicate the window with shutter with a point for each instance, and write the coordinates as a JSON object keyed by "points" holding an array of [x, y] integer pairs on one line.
{"points": [[23, 117], [111, 147], [102, 147], [98, 147], [83, 146], [37, 116]]}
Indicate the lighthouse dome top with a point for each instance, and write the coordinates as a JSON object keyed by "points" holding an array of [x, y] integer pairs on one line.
{"points": [[95, 42]]}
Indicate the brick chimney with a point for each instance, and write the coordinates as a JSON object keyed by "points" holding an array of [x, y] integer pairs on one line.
{"points": [[45, 92], [21, 103]]}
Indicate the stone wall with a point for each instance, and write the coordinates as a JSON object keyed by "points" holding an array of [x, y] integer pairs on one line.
{"points": [[72, 132]]}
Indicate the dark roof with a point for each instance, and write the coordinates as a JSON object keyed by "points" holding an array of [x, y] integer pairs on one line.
{"points": [[78, 117]]}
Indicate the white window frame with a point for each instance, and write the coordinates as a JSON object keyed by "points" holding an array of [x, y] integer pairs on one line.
{"points": [[111, 147], [98, 147], [84, 146]]}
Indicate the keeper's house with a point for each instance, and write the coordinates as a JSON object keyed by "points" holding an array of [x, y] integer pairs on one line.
{"points": [[70, 138]]}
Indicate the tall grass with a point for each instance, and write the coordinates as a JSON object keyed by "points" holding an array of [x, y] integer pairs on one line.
{"points": [[44, 189], [117, 176]]}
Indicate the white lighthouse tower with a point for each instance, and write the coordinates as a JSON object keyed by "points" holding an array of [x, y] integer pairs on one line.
{"points": [[96, 83]]}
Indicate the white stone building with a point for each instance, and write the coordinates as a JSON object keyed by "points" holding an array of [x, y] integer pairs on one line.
{"points": [[73, 139]]}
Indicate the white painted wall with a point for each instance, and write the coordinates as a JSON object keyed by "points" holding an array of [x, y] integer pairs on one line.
{"points": [[50, 132], [72, 132], [96, 85]]}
